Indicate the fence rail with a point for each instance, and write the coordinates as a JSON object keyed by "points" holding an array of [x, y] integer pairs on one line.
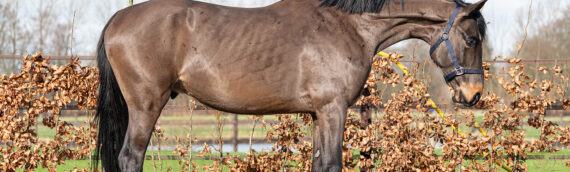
{"points": [[183, 108]]}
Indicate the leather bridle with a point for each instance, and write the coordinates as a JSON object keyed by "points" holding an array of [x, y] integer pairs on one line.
{"points": [[458, 71]]}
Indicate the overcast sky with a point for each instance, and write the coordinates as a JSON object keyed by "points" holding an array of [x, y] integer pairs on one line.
{"points": [[91, 16]]}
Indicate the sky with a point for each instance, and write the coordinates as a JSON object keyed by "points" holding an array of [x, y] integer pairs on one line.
{"points": [[91, 16]]}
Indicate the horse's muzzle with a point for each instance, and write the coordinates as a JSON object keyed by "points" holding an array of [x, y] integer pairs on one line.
{"points": [[471, 101]]}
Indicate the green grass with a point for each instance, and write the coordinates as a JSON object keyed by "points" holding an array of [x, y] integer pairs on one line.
{"points": [[546, 165], [532, 165], [45, 132], [148, 165], [546, 154], [209, 131]]}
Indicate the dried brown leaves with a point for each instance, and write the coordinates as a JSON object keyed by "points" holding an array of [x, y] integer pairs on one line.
{"points": [[44, 89], [398, 140]]}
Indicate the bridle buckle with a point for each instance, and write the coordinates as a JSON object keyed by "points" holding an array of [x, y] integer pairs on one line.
{"points": [[444, 36], [459, 71]]}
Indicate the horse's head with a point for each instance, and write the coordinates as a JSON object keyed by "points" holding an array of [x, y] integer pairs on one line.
{"points": [[458, 52]]}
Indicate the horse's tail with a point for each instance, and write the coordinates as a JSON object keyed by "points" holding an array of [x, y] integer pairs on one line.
{"points": [[112, 113]]}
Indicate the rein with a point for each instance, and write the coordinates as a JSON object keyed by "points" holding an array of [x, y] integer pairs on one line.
{"points": [[445, 37]]}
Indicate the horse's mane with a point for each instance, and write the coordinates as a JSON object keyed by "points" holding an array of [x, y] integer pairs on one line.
{"points": [[358, 6], [477, 16], [375, 6]]}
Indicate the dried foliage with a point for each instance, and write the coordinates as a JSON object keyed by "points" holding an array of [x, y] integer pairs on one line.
{"points": [[41, 90], [290, 150], [400, 139]]}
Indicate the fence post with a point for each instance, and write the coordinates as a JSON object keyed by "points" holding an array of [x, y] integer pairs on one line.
{"points": [[562, 118], [365, 116], [130, 2], [235, 139], [365, 120], [365, 111]]}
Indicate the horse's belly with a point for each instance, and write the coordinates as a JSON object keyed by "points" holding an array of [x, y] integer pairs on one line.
{"points": [[248, 94], [249, 101]]}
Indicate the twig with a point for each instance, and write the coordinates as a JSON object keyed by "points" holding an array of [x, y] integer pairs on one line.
{"points": [[193, 104], [89, 138], [152, 154], [71, 36], [158, 136], [525, 29], [252, 131], [518, 53], [220, 142]]}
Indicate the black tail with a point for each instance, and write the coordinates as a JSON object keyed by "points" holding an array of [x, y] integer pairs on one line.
{"points": [[112, 113]]}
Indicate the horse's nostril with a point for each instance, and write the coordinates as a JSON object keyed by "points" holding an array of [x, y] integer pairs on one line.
{"points": [[475, 99], [461, 98]]}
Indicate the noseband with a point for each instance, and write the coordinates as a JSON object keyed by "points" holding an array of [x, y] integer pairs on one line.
{"points": [[445, 37]]}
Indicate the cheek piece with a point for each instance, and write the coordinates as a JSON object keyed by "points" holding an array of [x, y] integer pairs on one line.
{"points": [[458, 71]]}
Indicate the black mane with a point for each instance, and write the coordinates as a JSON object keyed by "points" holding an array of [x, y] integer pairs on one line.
{"points": [[375, 6], [358, 6], [477, 16]]}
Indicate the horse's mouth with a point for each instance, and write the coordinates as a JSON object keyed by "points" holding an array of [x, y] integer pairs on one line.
{"points": [[463, 103]]}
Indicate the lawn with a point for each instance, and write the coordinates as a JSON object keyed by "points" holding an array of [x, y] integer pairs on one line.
{"points": [[244, 131], [148, 165], [532, 164]]}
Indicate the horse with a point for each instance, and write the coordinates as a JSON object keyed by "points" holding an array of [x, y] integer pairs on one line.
{"points": [[294, 56]]}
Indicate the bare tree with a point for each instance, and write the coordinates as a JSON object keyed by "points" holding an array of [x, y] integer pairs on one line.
{"points": [[550, 41], [13, 39], [44, 19], [7, 23], [543, 23]]}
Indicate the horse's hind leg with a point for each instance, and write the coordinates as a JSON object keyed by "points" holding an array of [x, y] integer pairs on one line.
{"points": [[328, 129], [143, 114]]}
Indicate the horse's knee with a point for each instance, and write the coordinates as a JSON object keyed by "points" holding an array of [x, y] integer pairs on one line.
{"points": [[126, 160], [131, 156], [333, 167], [328, 128], [327, 167], [130, 160]]}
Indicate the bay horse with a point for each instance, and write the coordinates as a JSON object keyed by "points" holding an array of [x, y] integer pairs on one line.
{"points": [[294, 56]]}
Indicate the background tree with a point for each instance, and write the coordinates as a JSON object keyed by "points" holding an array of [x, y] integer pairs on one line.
{"points": [[551, 39]]}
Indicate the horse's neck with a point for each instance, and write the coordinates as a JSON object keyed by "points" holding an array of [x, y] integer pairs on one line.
{"points": [[421, 20]]}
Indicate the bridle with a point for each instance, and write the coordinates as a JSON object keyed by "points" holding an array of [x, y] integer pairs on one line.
{"points": [[445, 37]]}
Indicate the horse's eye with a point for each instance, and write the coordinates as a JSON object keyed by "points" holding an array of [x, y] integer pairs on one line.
{"points": [[471, 43]]}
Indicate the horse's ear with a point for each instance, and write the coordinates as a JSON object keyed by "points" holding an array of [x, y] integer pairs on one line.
{"points": [[475, 7]]}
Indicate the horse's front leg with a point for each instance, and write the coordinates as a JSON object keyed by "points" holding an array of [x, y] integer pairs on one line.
{"points": [[328, 129]]}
